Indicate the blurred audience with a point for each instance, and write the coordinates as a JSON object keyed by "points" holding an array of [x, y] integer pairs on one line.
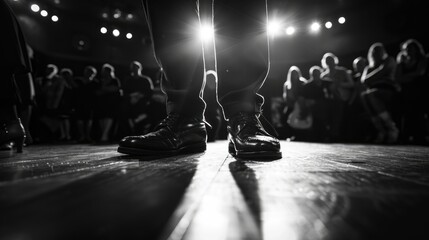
{"points": [[379, 100]]}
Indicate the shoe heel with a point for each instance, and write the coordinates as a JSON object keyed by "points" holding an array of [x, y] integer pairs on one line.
{"points": [[19, 144]]}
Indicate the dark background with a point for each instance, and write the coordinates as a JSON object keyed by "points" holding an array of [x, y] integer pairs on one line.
{"points": [[75, 40]]}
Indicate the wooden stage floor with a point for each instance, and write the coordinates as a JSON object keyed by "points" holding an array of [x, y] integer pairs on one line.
{"points": [[317, 191]]}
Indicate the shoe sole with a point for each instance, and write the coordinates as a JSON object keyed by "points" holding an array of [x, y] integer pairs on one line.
{"points": [[193, 148], [259, 155]]}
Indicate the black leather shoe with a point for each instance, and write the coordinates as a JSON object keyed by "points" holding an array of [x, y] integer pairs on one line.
{"points": [[249, 140], [12, 132], [174, 135]]}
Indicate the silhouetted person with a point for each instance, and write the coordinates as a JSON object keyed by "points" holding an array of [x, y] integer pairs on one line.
{"points": [[66, 107], [314, 93], [109, 95], [412, 75], [296, 110], [85, 103], [138, 89], [341, 89], [242, 64], [50, 89], [357, 123], [381, 89]]}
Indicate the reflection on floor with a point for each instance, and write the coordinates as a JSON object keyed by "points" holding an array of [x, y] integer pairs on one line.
{"points": [[317, 191]]}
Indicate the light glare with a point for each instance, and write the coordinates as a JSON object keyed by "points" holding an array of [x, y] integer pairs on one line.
{"points": [[273, 28], [103, 30], [328, 25], [54, 18], [206, 32], [315, 27], [116, 32], [129, 35], [342, 20], [44, 13], [290, 30], [35, 8]]}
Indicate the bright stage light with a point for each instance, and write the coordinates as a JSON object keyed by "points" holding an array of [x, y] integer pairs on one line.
{"points": [[35, 8], [273, 28], [341, 20], [328, 25], [44, 13], [103, 30], [206, 32], [116, 32], [290, 30], [315, 27], [54, 18], [129, 35]]}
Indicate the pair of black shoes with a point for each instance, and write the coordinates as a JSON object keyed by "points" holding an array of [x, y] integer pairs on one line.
{"points": [[176, 135]]}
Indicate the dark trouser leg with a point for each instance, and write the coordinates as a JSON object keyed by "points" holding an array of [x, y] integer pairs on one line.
{"points": [[242, 54], [174, 27]]}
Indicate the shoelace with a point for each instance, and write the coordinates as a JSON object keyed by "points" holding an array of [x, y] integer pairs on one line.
{"points": [[251, 120], [169, 121]]}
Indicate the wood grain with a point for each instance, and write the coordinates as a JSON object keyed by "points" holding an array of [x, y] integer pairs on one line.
{"points": [[317, 191]]}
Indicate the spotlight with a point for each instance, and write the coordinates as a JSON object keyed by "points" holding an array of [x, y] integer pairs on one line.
{"points": [[328, 25], [341, 20], [315, 27], [103, 30], [117, 13], [54, 18], [129, 35], [44, 13], [35, 8], [290, 30], [116, 32], [130, 16], [273, 28], [206, 32]]}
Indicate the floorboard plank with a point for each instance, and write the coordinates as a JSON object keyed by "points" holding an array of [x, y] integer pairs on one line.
{"points": [[316, 191]]}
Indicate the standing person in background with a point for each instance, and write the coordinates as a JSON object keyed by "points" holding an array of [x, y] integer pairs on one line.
{"points": [[314, 93], [380, 90], [85, 103], [138, 90], [66, 107], [49, 91], [341, 88], [357, 123], [108, 95], [15, 63], [296, 112], [412, 75]]}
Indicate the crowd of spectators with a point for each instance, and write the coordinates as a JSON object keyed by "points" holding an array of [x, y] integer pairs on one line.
{"points": [[382, 100], [95, 106]]}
